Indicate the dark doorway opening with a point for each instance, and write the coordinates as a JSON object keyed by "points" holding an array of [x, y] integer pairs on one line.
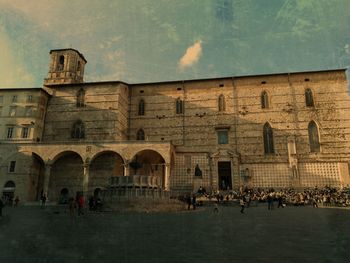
{"points": [[64, 195], [224, 171]]}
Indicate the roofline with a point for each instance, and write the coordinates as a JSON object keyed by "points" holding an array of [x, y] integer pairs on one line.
{"points": [[242, 76], [192, 80], [85, 83], [63, 49], [33, 88]]}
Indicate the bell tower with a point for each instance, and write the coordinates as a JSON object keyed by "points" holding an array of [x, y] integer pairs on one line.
{"points": [[66, 66]]}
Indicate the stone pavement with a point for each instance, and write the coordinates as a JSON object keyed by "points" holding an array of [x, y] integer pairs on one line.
{"points": [[292, 234]]}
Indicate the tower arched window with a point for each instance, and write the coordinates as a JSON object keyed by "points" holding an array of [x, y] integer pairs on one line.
{"points": [[78, 130], [60, 65], [141, 107], [264, 100], [140, 135], [221, 103], [81, 98], [268, 139], [314, 138], [179, 106], [309, 100]]}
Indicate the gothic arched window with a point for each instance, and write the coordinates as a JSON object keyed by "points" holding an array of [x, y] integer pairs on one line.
{"points": [[309, 100], [221, 103], [264, 100], [268, 139], [140, 135], [314, 139], [141, 107], [81, 98], [179, 106], [60, 64], [78, 130]]}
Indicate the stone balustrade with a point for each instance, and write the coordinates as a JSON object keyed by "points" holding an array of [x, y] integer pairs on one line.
{"points": [[140, 181]]}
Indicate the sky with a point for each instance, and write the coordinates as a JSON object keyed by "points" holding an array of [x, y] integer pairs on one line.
{"points": [[138, 41]]}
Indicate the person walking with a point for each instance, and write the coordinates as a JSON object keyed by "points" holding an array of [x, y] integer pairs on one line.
{"points": [[16, 201], [242, 204], [194, 202], [43, 200], [81, 203], [269, 201], [1, 206], [72, 205], [216, 207]]}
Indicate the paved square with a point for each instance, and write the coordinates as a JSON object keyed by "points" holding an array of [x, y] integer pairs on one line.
{"points": [[292, 234]]}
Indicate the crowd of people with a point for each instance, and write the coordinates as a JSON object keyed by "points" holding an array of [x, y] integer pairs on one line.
{"points": [[326, 196]]}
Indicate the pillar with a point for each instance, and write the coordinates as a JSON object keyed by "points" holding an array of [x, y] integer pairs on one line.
{"points": [[126, 169], [86, 171], [167, 177]]}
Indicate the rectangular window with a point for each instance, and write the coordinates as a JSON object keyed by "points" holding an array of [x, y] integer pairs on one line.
{"points": [[14, 98], [25, 132], [9, 132], [12, 167], [222, 137], [30, 98], [12, 112], [0, 110], [28, 111], [1, 99]]}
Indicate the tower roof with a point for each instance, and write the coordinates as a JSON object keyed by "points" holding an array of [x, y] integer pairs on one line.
{"points": [[64, 49]]}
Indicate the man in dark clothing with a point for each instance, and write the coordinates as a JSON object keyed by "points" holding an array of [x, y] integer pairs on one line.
{"points": [[1, 206], [188, 200], [280, 201], [194, 202]]}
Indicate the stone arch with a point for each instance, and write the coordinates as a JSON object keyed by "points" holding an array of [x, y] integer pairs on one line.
{"points": [[36, 178], [66, 172], [150, 163], [8, 191], [103, 166]]}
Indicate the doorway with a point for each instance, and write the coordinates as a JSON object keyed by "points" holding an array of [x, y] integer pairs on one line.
{"points": [[224, 172]]}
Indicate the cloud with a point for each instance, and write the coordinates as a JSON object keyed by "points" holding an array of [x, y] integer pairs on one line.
{"points": [[191, 56]]}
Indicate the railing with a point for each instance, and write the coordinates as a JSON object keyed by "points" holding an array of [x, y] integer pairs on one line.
{"points": [[138, 181]]}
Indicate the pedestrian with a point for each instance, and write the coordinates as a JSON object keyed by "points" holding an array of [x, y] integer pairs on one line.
{"points": [[188, 200], [43, 200], [194, 202], [16, 201], [242, 204], [1, 206], [269, 201], [81, 203], [72, 208], [216, 207], [280, 201]]}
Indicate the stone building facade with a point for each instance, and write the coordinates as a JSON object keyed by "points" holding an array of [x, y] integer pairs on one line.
{"points": [[279, 130]]}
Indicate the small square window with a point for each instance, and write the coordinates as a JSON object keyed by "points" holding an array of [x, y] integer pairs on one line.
{"points": [[12, 167], [30, 98], [222, 137]]}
